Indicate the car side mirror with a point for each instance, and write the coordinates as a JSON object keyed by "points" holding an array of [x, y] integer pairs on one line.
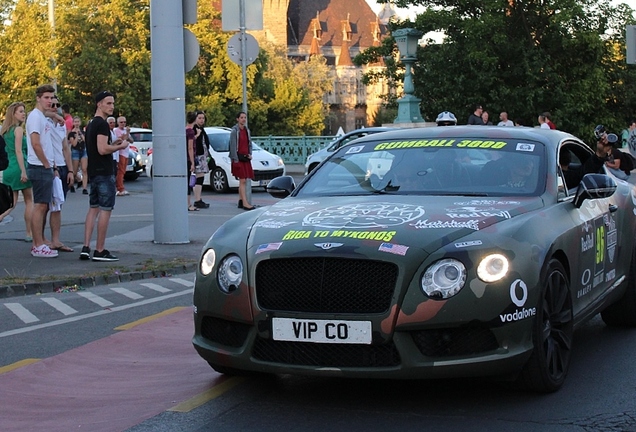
{"points": [[594, 186], [281, 187]]}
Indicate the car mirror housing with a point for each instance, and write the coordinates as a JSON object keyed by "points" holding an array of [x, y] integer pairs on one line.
{"points": [[594, 186], [281, 187]]}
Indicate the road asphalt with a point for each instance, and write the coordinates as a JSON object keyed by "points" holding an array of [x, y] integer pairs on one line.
{"points": [[130, 237]]}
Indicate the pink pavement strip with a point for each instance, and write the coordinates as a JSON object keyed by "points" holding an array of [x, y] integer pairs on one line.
{"points": [[110, 384]]}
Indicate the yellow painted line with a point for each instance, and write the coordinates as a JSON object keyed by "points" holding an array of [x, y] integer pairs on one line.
{"points": [[150, 318], [208, 395], [18, 365]]}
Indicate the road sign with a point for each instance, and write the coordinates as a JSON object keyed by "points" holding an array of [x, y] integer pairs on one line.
{"points": [[231, 16], [234, 48]]}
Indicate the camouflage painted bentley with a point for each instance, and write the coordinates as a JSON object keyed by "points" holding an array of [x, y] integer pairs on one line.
{"points": [[424, 253]]}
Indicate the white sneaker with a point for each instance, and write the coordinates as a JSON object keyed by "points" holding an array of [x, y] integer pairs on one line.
{"points": [[43, 252]]}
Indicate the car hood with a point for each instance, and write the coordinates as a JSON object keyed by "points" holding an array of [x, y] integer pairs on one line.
{"points": [[427, 223]]}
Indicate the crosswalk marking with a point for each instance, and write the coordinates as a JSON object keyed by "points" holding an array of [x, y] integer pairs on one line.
{"points": [[182, 282], [59, 306], [156, 287], [22, 313], [95, 299], [128, 293]]}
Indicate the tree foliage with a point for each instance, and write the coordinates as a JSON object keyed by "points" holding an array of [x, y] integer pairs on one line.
{"points": [[524, 57], [105, 45]]}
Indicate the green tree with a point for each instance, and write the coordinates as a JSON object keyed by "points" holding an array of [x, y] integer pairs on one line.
{"points": [[25, 58], [562, 56]]}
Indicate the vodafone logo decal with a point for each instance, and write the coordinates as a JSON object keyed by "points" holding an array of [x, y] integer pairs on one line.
{"points": [[513, 292], [518, 295]]}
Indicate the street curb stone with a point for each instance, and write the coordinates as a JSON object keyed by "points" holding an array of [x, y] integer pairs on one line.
{"points": [[30, 288]]}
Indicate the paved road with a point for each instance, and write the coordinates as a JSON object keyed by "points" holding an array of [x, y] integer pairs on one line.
{"points": [[130, 237]]}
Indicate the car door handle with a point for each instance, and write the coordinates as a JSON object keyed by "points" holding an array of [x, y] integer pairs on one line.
{"points": [[613, 208]]}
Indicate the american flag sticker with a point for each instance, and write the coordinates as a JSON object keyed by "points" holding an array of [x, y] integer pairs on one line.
{"points": [[393, 248], [268, 247]]}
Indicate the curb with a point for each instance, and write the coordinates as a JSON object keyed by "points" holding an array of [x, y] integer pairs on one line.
{"points": [[30, 288]]}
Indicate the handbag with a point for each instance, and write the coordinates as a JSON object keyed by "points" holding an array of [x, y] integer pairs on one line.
{"points": [[6, 198], [243, 157]]}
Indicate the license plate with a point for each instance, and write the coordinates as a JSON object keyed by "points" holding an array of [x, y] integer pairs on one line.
{"points": [[263, 182], [321, 331]]}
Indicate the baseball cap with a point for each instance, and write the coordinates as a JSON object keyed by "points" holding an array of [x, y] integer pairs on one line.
{"points": [[102, 95]]}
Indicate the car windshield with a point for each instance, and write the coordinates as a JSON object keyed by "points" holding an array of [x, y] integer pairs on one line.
{"points": [[220, 141], [471, 167], [141, 136]]}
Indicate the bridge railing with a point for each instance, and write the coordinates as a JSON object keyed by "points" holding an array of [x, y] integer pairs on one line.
{"points": [[293, 150]]}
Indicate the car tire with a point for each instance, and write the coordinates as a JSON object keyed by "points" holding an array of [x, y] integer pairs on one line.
{"points": [[218, 180], [623, 312], [132, 176], [552, 333]]}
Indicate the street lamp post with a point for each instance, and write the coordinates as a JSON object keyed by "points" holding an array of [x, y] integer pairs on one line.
{"points": [[409, 105]]}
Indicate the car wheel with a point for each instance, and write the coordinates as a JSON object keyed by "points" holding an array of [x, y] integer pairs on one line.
{"points": [[218, 180], [623, 312], [131, 176], [552, 334]]}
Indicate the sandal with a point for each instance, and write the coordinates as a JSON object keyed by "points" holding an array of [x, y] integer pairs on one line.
{"points": [[63, 248], [192, 208]]}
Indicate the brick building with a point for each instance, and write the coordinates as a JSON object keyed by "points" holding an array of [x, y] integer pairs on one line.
{"points": [[338, 30]]}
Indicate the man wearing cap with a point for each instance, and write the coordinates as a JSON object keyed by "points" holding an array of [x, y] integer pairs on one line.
{"points": [[100, 148]]}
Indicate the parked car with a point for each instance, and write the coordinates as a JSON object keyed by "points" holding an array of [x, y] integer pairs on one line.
{"points": [[266, 165], [134, 167], [467, 254], [315, 158], [143, 143]]}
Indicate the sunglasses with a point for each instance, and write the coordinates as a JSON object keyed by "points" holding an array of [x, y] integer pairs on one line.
{"points": [[56, 105]]}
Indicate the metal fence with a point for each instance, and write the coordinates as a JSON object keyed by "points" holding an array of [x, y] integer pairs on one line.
{"points": [[293, 150]]}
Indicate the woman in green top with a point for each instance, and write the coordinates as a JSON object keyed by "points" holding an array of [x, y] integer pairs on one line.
{"points": [[15, 175]]}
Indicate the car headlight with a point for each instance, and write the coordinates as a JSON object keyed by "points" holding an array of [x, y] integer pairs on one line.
{"points": [[280, 162], [207, 262], [493, 268], [230, 273], [444, 279]]}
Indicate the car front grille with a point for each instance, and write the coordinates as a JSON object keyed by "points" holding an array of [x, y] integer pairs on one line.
{"points": [[325, 285], [267, 175], [455, 341], [326, 355], [224, 332]]}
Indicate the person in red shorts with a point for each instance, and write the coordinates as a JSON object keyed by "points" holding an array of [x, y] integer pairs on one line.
{"points": [[241, 155]]}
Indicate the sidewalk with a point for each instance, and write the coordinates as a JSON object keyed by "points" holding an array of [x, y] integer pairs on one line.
{"points": [[130, 237]]}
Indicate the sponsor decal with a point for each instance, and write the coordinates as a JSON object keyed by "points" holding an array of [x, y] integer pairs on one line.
{"points": [[518, 295], [271, 223], [360, 235], [493, 204], [473, 212], [327, 246], [355, 149], [467, 143], [585, 282], [468, 244], [364, 216], [525, 147], [268, 247], [612, 237], [393, 248], [610, 275], [426, 224]]}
